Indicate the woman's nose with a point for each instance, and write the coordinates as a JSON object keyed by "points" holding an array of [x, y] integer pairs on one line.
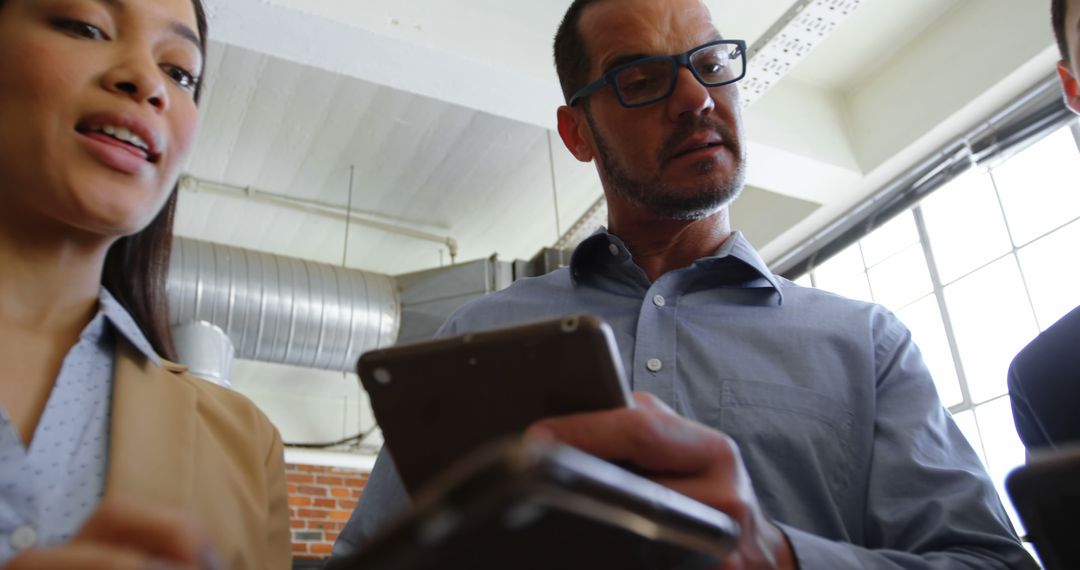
{"points": [[143, 82]]}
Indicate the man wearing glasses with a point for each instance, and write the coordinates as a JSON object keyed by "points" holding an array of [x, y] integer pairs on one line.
{"points": [[809, 418]]}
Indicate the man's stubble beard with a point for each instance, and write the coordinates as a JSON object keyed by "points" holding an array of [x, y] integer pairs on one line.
{"points": [[652, 194]]}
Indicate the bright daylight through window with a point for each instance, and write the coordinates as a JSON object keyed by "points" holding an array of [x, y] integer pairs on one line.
{"points": [[976, 271]]}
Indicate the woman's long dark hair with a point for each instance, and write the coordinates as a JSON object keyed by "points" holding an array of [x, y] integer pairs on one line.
{"points": [[137, 265]]}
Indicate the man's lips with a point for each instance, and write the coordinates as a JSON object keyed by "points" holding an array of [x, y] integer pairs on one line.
{"points": [[698, 147]]}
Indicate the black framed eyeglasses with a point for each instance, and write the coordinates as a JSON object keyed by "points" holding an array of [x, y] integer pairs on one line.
{"points": [[651, 79]]}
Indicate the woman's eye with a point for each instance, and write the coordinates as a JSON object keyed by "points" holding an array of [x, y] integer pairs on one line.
{"points": [[80, 29], [185, 79]]}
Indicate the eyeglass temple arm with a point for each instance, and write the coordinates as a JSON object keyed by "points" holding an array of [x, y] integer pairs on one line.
{"points": [[588, 90]]}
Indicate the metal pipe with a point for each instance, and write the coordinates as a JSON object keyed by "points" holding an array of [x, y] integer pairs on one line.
{"points": [[362, 217], [283, 310]]}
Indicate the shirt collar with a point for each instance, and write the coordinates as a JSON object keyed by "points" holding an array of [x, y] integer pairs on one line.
{"points": [[604, 245], [123, 323]]}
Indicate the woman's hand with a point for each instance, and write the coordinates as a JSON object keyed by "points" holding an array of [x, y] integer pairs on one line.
{"points": [[124, 535], [686, 456]]}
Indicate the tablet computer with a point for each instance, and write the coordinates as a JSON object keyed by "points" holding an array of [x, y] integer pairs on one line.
{"points": [[533, 505], [436, 401]]}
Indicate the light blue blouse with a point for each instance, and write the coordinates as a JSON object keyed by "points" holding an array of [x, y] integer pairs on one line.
{"points": [[47, 491]]}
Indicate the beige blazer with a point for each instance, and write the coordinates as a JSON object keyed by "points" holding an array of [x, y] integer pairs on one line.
{"points": [[184, 443]]}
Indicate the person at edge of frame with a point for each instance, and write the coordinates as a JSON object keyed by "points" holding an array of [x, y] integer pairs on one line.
{"points": [[1044, 378]]}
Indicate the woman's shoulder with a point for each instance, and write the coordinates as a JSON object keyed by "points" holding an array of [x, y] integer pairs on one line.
{"points": [[224, 408]]}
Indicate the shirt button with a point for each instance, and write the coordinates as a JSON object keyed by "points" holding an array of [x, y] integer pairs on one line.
{"points": [[659, 300], [614, 249], [654, 365], [24, 537]]}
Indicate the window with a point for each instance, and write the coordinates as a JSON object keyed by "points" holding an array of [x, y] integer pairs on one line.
{"points": [[976, 271]]}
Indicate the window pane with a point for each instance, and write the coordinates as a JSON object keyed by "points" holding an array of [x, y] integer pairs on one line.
{"points": [[890, 238], [902, 278], [843, 274], [1004, 451], [928, 331], [992, 320], [1052, 273], [966, 422], [965, 225], [1039, 186]]}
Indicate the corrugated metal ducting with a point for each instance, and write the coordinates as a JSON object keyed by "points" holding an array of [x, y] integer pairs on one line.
{"points": [[283, 310]]}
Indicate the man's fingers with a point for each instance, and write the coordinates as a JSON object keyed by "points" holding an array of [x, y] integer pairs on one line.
{"points": [[647, 401], [155, 532], [649, 436]]}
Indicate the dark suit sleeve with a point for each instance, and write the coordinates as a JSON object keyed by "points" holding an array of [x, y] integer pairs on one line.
{"points": [[1044, 386]]}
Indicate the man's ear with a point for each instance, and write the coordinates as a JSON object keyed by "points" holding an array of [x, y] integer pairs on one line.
{"points": [[573, 129], [1070, 86]]}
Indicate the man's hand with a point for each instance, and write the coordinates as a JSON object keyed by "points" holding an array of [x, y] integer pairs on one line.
{"points": [[123, 535], [686, 456]]}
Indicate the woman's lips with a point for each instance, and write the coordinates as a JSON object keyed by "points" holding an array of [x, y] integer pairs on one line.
{"points": [[115, 154]]}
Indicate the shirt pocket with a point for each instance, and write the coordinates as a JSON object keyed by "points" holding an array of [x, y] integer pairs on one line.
{"points": [[783, 429]]}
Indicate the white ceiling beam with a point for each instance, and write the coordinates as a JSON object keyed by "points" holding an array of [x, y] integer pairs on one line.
{"points": [[967, 53], [309, 39], [801, 127], [971, 62], [962, 120]]}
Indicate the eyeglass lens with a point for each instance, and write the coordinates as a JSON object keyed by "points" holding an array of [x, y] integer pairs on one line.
{"points": [[652, 79]]}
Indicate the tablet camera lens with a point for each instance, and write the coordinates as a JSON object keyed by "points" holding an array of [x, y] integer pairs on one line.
{"points": [[569, 324], [382, 375]]}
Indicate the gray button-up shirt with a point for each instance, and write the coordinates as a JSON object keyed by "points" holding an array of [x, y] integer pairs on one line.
{"points": [[49, 490], [836, 416]]}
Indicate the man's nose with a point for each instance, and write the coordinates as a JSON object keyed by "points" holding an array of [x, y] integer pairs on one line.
{"points": [[689, 96]]}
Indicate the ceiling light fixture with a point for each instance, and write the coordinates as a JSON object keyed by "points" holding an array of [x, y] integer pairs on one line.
{"points": [[801, 29]]}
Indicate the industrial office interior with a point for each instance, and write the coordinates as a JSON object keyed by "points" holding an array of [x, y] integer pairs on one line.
{"points": [[363, 168]]}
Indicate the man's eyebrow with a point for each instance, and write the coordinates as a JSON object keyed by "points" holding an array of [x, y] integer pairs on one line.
{"points": [[622, 60], [175, 27], [632, 57]]}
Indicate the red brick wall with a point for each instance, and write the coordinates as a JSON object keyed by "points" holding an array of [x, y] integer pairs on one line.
{"points": [[320, 502]]}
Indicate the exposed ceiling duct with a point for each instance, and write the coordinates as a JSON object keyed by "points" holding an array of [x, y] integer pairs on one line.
{"points": [[283, 310]]}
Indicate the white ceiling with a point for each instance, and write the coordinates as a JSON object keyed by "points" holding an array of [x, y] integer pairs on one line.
{"points": [[439, 113]]}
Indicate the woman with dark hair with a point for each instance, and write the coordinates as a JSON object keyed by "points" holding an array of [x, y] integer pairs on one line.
{"points": [[110, 455]]}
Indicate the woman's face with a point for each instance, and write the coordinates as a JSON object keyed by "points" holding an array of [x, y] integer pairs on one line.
{"points": [[98, 111]]}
